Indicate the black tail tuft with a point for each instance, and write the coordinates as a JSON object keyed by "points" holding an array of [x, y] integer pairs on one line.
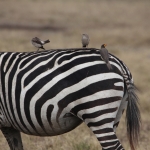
{"points": [[133, 117]]}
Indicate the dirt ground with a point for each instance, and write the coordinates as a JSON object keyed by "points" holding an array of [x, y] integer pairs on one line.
{"points": [[123, 25]]}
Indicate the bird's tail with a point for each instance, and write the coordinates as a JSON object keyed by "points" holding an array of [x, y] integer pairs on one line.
{"points": [[47, 41], [84, 46], [109, 66]]}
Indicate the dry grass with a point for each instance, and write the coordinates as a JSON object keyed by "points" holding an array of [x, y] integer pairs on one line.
{"points": [[123, 25]]}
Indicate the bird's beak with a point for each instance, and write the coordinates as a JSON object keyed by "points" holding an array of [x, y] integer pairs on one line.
{"points": [[105, 45]]}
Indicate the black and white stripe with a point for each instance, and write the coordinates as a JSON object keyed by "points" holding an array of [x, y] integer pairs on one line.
{"points": [[51, 92]]}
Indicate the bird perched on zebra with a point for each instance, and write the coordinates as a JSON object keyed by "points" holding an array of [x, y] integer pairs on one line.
{"points": [[39, 43], [85, 40], [105, 56]]}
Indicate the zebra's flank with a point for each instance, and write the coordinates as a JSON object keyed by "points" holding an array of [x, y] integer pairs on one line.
{"points": [[133, 118]]}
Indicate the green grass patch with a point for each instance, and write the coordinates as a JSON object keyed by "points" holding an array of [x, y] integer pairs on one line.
{"points": [[82, 146]]}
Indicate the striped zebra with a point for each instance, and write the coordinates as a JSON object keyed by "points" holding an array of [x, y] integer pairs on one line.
{"points": [[49, 93]]}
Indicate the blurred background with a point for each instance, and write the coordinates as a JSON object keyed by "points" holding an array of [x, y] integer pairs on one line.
{"points": [[123, 25]]}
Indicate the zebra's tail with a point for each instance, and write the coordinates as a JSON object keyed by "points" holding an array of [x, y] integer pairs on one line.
{"points": [[133, 118]]}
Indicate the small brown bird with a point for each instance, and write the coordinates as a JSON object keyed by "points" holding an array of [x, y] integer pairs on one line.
{"points": [[38, 43], [85, 40], [105, 56]]}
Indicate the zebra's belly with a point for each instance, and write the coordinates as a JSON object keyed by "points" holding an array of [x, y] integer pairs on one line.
{"points": [[64, 124]]}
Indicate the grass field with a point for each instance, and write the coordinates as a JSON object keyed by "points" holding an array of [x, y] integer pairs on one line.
{"points": [[123, 25]]}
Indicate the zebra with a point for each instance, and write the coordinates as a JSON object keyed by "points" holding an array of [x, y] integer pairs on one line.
{"points": [[51, 92]]}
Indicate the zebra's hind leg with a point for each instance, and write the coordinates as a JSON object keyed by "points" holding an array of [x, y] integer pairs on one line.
{"points": [[101, 122], [13, 138], [107, 138]]}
